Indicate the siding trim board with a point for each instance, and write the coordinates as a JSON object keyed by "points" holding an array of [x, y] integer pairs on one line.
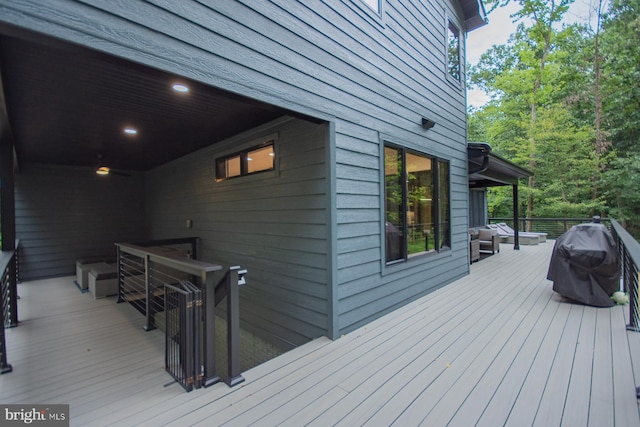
{"points": [[333, 328]]}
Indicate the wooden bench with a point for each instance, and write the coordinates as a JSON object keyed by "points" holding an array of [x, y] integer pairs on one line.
{"points": [[103, 280]]}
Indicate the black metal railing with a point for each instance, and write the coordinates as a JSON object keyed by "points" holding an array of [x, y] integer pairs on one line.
{"points": [[629, 254], [554, 227], [144, 275], [9, 295], [141, 279]]}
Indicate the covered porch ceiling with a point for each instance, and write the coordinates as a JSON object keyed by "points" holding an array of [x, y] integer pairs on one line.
{"points": [[69, 105], [487, 169]]}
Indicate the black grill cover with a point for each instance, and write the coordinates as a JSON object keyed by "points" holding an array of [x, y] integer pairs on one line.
{"points": [[585, 266]]}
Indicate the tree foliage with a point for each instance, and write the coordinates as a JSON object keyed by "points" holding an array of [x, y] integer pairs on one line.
{"points": [[565, 104]]}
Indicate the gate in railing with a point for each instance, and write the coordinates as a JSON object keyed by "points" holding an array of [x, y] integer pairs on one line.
{"points": [[183, 330]]}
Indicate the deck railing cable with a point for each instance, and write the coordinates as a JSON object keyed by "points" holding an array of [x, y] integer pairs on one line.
{"points": [[554, 227], [629, 253], [146, 273]]}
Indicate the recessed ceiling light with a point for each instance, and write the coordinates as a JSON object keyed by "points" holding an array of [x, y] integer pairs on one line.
{"points": [[130, 131], [103, 170], [179, 87]]}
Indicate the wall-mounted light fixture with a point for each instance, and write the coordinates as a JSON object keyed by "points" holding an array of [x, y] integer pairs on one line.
{"points": [[427, 124]]}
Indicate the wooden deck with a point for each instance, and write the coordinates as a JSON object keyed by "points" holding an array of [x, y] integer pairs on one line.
{"points": [[497, 347]]}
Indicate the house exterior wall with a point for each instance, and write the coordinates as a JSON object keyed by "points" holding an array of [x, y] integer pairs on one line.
{"points": [[64, 214], [272, 223], [371, 77]]}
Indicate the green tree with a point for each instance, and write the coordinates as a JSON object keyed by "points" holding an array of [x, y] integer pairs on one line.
{"points": [[537, 82], [621, 110], [565, 103]]}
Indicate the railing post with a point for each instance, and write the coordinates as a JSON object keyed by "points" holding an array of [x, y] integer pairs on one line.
{"points": [[233, 327], [149, 310], [209, 362]]}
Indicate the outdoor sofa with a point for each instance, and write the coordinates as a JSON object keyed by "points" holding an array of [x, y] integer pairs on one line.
{"points": [[506, 235]]}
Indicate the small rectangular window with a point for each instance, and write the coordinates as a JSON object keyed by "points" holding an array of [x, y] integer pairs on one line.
{"points": [[247, 162], [453, 52]]}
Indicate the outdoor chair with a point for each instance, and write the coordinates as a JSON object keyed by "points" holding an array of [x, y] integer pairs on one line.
{"points": [[489, 240]]}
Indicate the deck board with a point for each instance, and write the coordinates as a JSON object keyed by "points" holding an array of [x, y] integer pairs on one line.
{"points": [[496, 347], [601, 408], [477, 399], [576, 410], [550, 410], [623, 378]]}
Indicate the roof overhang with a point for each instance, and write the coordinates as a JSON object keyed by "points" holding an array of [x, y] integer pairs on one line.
{"points": [[475, 15], [487, 169]]}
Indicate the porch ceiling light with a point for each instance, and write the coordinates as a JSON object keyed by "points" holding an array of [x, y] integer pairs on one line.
{"points": [[180, 88], [103, 170]]}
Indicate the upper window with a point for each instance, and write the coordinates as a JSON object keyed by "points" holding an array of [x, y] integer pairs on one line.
{"points": [[453, 52], [416, 204], [247, 162], [374, 4]]}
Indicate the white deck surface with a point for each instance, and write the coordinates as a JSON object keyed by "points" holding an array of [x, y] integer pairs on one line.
{"points": [[497, 347]]}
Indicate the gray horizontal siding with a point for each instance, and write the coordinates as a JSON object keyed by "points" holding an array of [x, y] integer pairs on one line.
{"points": [[374, 77], [275, 225], [366, 288], [324, 58], [63, 214]]}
